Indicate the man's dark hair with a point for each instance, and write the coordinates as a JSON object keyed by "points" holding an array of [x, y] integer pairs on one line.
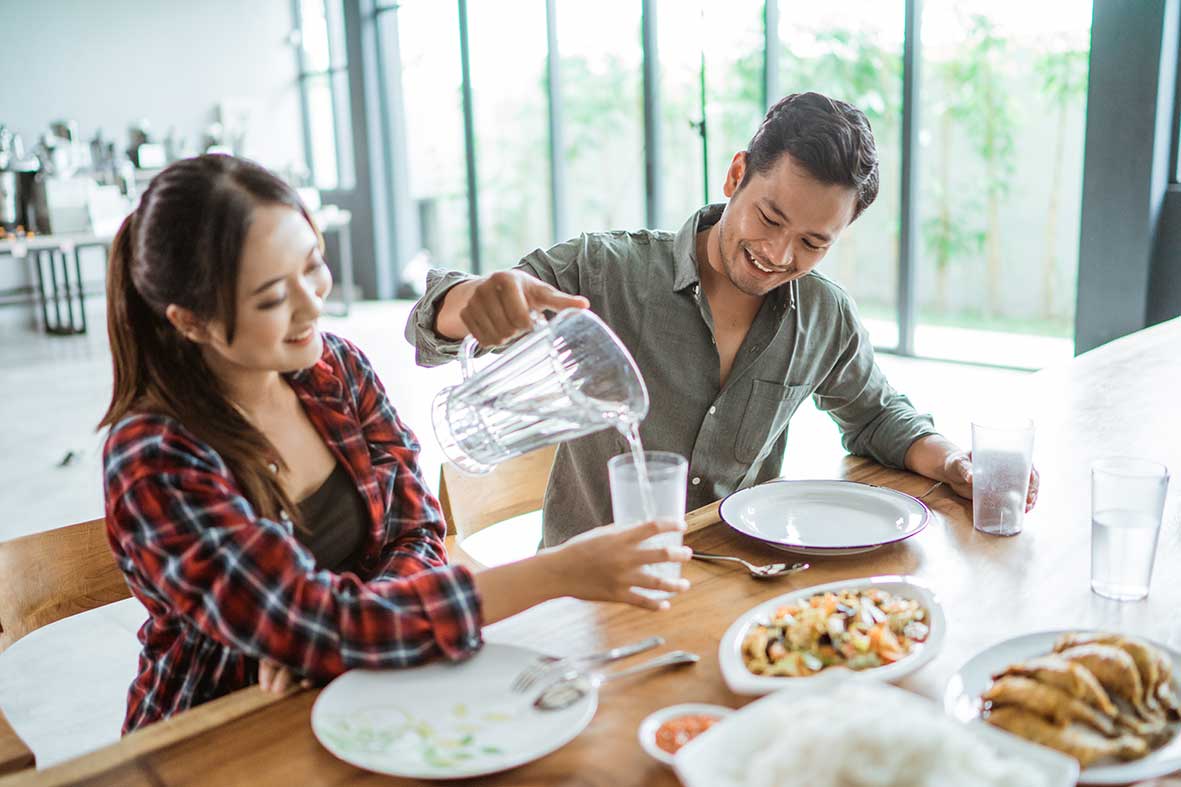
{"points": [[831, 139]]}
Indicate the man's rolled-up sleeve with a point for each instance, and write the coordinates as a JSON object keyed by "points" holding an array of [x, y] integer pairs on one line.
{"points": [[559, 266], [431, 348], [875, 420]]}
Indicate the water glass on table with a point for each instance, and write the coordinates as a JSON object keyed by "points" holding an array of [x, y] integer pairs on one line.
{"points": [[1002, 458], [1127, 502], [650, 490]]}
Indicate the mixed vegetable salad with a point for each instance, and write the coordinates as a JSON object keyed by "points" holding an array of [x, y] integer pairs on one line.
{"points": [[858, 629]]}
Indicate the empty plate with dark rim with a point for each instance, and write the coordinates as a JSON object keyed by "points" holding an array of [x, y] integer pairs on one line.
{"points": [[824, 518]]}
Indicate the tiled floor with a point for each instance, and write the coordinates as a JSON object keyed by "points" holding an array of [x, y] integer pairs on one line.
{"points": [[56, 389]]}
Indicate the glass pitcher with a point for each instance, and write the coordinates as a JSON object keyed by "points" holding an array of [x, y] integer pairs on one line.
{"points": [[568, 377]]}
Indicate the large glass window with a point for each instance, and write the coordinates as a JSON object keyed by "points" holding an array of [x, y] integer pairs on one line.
{"points": [[507, 39], [733, 37], [432, 116], [603, 109], [1003, 92], [857, 57], [679, 43], [711, 70], [324, 84]]}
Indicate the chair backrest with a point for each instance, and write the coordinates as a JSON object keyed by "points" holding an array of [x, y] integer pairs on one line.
{"points": [[473, 502], [52, 575]]}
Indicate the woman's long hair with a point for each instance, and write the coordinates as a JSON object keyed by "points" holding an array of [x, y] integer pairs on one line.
{"points": [[183, 246]]}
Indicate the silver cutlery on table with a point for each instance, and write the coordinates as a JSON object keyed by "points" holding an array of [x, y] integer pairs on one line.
{"points": [[768, 571], [545, 665], [574, 684]]}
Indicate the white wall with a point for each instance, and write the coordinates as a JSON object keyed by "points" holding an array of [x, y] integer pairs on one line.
{"points": [[107, 63]]}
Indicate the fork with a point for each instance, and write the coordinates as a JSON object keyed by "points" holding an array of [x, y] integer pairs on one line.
{"points": [[544, 664]]}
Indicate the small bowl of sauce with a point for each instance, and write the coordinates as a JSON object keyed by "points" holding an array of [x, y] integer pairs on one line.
{"points": [[665, 731]]}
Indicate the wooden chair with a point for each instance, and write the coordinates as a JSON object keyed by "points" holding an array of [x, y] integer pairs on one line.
{"points": [[14, 754], [472, 503], [49, 576]]}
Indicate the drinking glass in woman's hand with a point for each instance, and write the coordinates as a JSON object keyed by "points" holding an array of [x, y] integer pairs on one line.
{"points": [[608, 564]]}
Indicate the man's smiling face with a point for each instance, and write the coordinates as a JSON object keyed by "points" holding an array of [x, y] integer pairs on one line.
{"points": [[779, 224]]}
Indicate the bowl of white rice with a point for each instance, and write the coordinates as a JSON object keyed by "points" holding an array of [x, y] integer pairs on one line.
{"points": [[848, 733]]}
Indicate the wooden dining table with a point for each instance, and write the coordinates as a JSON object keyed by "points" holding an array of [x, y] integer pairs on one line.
{"points": [[1120, 399]]}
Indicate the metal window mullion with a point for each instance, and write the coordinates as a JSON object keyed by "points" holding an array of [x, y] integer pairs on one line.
{"points": [[703, 130], [908, 214], [653, 194], [334, 96], [301, 66], [393, 165], [557, 162], [469, 139], [1175, 140], [770, 53], [322, 72]]}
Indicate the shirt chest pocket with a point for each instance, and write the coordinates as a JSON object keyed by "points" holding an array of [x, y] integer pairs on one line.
{"points": [[768, 410]]}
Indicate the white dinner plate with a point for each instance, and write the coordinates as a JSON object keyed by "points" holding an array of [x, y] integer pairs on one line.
{"points": [[443, 720], [824, 518], [742, 681], [962, 700], [718, 757]]}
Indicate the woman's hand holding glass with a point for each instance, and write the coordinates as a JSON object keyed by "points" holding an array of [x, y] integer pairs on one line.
{"points": [[607, 564]]}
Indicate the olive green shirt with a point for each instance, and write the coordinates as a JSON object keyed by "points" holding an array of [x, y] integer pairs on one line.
{"points": [[806, 340]]}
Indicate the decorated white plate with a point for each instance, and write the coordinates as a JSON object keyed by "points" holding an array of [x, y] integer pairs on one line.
{"points": [[726, 754], [962, 700], [742, 681], [442, 720], [824, 518]]}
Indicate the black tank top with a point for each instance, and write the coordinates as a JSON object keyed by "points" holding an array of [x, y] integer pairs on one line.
{"points": [[335, 522]]}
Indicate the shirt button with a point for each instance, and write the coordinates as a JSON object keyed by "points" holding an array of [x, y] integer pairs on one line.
{"points": [[712, 410], [696, 480]]}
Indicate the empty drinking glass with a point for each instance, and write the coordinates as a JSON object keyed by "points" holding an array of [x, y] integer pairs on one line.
{"points": [[649, 486], [1002, 457], [1127, 502]]}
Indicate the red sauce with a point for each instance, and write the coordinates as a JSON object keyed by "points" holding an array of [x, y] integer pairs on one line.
{"points": [[675, 733]]}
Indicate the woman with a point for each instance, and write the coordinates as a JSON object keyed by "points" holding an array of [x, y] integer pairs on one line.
{"points": [[262, 496]]}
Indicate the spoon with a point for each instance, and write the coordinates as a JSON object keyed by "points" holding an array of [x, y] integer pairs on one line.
{"points": [[758, 572], [574, 684], [538, 669]]}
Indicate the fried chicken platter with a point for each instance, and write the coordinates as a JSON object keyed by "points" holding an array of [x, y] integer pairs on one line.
{"points": [[1098, 697]]}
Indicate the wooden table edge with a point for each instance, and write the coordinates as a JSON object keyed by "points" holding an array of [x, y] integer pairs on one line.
{"points": [[703, 517], [151, 738]]}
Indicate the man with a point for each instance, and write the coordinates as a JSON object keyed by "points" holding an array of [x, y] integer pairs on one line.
{"points": [[727, 319]]}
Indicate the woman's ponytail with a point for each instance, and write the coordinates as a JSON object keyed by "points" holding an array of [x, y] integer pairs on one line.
{"points": [[129, 322]]}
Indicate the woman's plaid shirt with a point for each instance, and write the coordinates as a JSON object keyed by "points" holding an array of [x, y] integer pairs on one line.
{"points": [[225, 587]]}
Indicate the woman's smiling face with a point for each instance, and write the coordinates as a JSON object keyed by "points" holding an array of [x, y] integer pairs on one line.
{"points": [[282, 284]]}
